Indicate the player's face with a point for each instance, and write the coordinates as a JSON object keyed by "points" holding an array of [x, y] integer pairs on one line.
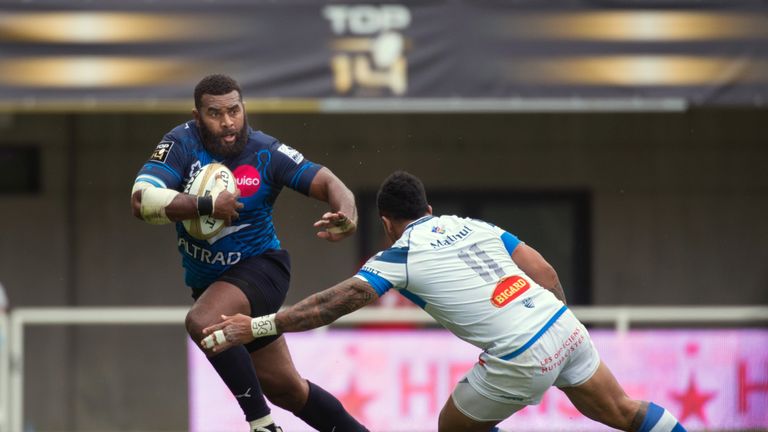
{"points": [[223, 124]]}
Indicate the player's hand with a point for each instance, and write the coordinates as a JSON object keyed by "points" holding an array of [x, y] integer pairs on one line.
{"points": [[335, 226], [226, 205], [233, 330]]}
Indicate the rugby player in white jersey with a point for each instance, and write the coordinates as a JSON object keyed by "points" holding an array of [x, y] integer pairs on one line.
{"points": [[489, 289]]}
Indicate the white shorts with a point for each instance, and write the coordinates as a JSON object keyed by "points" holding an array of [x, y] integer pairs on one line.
{"points": [[563, 356]]}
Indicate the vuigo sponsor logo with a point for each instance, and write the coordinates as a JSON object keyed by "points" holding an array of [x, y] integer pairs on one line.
{"points": [[509, 289], [248, 180]]}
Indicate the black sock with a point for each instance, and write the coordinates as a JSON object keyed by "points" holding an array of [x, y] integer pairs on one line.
{"points": [[325, 413], [236, 370]]}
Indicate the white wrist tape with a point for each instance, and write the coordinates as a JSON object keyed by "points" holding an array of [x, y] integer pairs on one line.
{"points": [[154, 200], [263, 326]]}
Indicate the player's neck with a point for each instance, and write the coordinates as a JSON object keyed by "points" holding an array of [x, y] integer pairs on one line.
{"points": [[394, 228], [399, 227]]}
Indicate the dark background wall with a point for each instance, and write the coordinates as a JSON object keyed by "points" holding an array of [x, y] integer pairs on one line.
{"points": [[678, 210]]}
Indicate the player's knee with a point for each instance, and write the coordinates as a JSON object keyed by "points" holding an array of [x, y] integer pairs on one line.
{"points": [[629, 408], [289, 399], [449, 420], [624, 413], [285, 392], [195, 323], [442, 422]]}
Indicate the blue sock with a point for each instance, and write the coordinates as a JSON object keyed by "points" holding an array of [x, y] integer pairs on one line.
{"points": [[325, 413], [657, 419], [236, 370]]}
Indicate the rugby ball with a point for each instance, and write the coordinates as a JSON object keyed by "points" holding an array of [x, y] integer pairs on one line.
{"points": [[211, 180]]}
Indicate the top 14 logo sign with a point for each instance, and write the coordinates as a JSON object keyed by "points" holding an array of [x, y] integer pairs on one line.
{"points": [[369, 51]]}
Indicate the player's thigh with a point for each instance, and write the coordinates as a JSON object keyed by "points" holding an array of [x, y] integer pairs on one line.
{"points": [[264, 280], [468, 410], [601, 398], [453, 420], [219, 298], [279, 379]]}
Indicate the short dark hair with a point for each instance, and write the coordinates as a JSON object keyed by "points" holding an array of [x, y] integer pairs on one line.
{"points": [[216, 84], [402, 197]]}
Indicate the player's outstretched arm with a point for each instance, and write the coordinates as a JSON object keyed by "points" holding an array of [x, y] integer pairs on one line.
{"points": [[341, 221], [314, 311], [327, 306], [537, 268]]}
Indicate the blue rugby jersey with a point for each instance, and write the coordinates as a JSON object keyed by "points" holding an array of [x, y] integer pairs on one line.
{"points": [[261, 171]]}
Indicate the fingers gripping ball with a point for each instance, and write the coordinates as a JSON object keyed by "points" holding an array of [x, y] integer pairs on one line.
{"points": [[211, 180]]}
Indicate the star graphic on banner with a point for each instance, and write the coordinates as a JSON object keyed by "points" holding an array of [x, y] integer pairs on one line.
{"points": [[355, 401], [692, 401]]}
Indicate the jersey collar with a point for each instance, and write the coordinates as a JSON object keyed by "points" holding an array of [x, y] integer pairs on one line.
{"points": [[420, 220]]}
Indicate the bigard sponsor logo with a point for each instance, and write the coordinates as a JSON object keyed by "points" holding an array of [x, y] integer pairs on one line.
{"points": [[509, 289]]}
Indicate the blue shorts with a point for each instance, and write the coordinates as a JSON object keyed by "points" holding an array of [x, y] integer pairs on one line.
{"points": [[264, 279]]}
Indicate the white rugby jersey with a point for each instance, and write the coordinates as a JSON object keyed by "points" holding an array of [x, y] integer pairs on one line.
{"points": [[459, 270]]}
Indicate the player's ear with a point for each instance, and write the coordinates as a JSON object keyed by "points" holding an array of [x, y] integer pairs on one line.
{"points": [[385, 222], [429, 209], [388, 227], [196, 115]]}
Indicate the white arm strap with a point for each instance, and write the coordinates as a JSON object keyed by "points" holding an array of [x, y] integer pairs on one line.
{"points": [[154, 200], [264, 326]]}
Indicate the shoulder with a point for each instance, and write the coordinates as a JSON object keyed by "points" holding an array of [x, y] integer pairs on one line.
{"points": [[483, 224], [442, 224], [185, 134], [289, 154], [184, 130], [475, 224], [274, 145], [262, 139]]}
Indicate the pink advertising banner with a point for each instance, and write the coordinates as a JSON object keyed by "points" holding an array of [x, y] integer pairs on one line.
{"points": [[398, 380]]}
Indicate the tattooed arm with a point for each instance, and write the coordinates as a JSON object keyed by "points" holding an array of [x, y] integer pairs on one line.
{"points": [[326, 306], [314, 311]]}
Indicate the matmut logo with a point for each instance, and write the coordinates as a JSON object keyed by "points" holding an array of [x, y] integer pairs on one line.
{"points": [[509, 289], [248, 180]]}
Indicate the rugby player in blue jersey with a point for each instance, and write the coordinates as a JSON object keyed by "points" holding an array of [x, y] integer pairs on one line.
{"points": [[489, 289], [243, 269]]}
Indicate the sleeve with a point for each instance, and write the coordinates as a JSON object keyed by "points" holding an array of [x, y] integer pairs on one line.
{"points": [[386, 269], [510, 240], [290, 168], [166, 165]]}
